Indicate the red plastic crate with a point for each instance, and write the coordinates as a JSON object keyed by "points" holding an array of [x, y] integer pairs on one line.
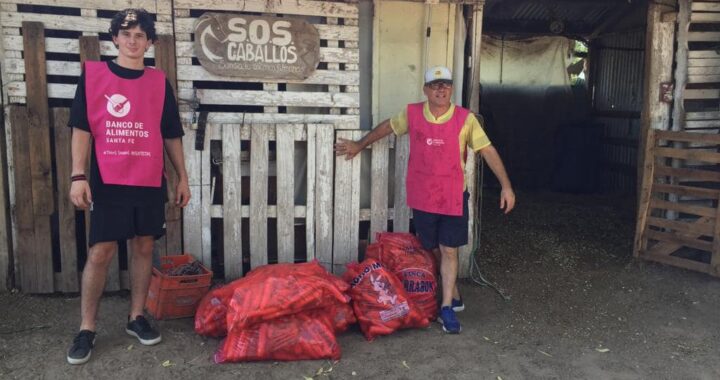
{"points": [[176, 296]]}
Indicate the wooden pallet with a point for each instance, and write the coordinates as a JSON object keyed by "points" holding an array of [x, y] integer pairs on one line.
{"points": [[679, 213]]}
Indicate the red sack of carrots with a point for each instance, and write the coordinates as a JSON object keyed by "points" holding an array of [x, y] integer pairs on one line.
{"points": [[403, 254], [379, 300], [211, 314], [304, 336], [282, 289]]}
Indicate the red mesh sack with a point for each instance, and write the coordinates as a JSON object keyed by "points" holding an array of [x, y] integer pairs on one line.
{"points": [[277, 290], [303, 336], [380, 303], [339, 315], [211, 314], [403, 254]]}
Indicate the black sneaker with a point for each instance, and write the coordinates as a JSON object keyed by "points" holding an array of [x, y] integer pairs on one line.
{"points": [[81, 348], [141, 329]]}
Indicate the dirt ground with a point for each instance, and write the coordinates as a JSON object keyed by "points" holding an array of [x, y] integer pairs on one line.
{"points": [[580, 308]]}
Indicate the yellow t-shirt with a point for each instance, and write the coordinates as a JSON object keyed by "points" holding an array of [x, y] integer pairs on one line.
{"points": [[471, 134]]}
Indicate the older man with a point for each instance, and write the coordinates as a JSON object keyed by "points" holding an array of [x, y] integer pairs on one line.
{"points": [[439, 133]]}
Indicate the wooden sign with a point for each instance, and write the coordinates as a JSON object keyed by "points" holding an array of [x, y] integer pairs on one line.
{"points": [[258, 47]]}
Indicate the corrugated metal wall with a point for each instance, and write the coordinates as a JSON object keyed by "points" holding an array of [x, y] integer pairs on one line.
{"points": [[617, 63]]}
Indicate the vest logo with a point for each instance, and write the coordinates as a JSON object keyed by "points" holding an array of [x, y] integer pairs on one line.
{"points": [[118, 105], [435, 142]]}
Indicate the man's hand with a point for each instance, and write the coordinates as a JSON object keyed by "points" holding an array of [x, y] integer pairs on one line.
{"points": [[348, 148], [182, 193], [80, 194], [507, 200]]}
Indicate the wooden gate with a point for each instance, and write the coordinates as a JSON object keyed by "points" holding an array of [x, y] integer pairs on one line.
{"points": [[678, 210]]}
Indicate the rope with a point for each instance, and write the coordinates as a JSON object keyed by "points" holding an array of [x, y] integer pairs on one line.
{"points": [[475, 274]]}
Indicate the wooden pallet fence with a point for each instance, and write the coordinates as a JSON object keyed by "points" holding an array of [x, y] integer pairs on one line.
{"points": [[329, 96], [246, 153], [679, 212], [64, 23]]}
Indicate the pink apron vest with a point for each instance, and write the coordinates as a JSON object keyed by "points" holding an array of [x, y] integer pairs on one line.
{"points": [[435, 180], [124, 117]]}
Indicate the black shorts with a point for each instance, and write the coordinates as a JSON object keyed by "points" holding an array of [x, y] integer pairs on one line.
{"points": [[437, 229], [113, 222]]}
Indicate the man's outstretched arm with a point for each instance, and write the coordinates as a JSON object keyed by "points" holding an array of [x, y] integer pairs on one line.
{"points": [[349, 148]]}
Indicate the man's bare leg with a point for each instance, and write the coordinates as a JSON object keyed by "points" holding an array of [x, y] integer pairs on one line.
{"points": [[140, 273], [455, 292], [448, 271], [93, 282]]}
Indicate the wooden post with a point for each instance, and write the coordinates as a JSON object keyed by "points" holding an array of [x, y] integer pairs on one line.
{"points": [[347, 207], [232, 202], [285, 174], [659, 43], [68, 279], [165, 61], [38, 134], [324, 160], [259, 156], [466, 251], [6, 253]]}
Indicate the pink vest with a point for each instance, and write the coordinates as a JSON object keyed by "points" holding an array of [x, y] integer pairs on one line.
{"points": [[124, 117], [435, 180]]}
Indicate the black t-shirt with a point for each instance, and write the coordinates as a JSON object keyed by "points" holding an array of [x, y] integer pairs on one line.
{"points": [[170, 128]]}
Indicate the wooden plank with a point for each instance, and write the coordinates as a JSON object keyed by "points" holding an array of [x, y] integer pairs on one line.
{"points": [[691, 229], [73, 23], [379, 167], [704, 78], [326, 32], [703, 54], [258, 195], [676, 262], [686, 154], [347, 207], [149, 5], [664, 248], [69, 281], [232, 202], [285, 162], [336, 121], [686, 190], [694, 210], [687, 137], [311, 164], [703, 116], [39, 118], [206, 186], [687, 174], [401, 223], [681, 59], [705, 17], [678, 239], [25, 254], [299, 7], [465, 251], [198, 73], [705, 6], [192, 214], [273, 98], [324, 173], [64, 45], [6, 249], [703, 65], [703, 36], [695, 124]]}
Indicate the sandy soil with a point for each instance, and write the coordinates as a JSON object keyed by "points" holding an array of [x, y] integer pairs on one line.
{"points": [[580, 308]]}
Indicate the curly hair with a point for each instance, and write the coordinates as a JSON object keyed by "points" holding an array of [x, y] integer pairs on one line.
{"points": [[129, 18]]}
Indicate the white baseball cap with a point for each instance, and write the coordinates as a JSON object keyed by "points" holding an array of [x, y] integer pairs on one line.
{"points": [[438, 73]]}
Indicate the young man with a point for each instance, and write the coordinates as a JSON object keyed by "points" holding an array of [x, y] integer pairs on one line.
{"points": [[439, 133], [123, 114]]}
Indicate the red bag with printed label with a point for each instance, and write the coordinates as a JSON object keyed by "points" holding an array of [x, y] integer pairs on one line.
{"points": [[211, 314], [308, 335], [379, 300], [403, 254]]}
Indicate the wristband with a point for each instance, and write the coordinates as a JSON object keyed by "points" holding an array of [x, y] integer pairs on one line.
{"points": [[78, 177]]}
